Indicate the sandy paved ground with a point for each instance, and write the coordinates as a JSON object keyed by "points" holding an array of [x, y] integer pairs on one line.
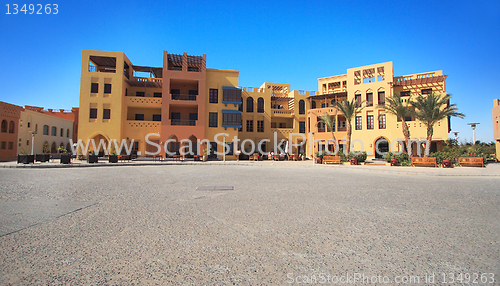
{"points": [[149, 225]]}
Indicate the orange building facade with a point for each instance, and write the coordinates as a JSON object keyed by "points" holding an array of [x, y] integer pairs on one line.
{"points": [[9, 119], [496, 125]]}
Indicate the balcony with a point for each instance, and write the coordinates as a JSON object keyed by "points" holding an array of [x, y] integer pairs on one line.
{"points": [[182, 122], [145, 82], [143, 124], [283, 112], [184, 97], [137, 101]]}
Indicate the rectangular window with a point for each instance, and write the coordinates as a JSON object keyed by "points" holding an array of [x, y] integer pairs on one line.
{"points": [[282, 125], [381, 97], [260, 125], [323, 105], [139, 93], [369, 99], [4, 145], [233, 119], [212, 119], [249, 125], [157, 94], [302, 127], [273, 124], [427, 91], [369, 122], [94, 87], [27, 142], [232, 95], [405, 93], [213, 96], [381, 121], [29, 125], [358, 99], [139, 117], [11, 145], [106, 113], [359, 122], [107, 88], [93, 113], [61, 132], [156, 117]]}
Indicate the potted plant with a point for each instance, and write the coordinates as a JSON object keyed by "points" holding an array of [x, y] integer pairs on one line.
{"points": [[319, 157], [92, 158], [25, 158], [65, 157], [113, 158]]}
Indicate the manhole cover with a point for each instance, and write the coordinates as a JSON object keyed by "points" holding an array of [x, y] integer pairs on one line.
{"points": [[215, 188]]}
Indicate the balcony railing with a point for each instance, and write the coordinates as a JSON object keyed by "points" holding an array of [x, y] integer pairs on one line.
{"points": [[182, 122], [188, 97], [282, 112]]}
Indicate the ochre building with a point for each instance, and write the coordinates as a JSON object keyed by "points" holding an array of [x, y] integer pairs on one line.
{"points": [[182, 101]]}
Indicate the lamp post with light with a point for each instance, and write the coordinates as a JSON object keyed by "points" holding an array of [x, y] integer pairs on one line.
{"points": [[473, 126], [314, 159]]}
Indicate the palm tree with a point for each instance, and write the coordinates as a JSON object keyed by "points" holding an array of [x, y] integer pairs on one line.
{"points": [[396, 106], [431, 109], [349, 109], [330, 123]]}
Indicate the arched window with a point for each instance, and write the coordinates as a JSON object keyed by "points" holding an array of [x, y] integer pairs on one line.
{"points": [[36, 128], [68, 147], [250, 104], [11, 127], [53, 148], [4, 126], [45, 130], [333, 103], [313, 104], [53, 131], [302, 107], [67, 133], [260, 105], [45, 147]]}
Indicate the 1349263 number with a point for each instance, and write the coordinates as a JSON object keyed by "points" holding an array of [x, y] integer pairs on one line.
{"points": [[38, 9], [473, 278]]}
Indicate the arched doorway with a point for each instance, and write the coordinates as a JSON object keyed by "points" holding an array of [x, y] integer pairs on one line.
{"points": [[101, 143], [194, 148], [53, 148], [173, 145], [382, 145]]}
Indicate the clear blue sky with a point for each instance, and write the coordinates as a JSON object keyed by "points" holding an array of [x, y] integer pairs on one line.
{"points": [[290, 42]]}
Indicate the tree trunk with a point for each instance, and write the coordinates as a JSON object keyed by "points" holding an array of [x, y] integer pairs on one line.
{"points": [[348, 147], [406, 134], [334, 140], [430, 131]]}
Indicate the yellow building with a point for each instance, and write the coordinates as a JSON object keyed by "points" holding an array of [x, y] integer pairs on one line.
{"points": [[496, 126], [50, 131], [373, 126], [182, 101]]}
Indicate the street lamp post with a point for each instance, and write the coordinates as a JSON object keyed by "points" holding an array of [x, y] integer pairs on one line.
{"points": [[473, 126], [456, 136], [314, 159], [32, 141]]}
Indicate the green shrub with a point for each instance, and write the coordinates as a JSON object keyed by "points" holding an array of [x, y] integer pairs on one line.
{"points": [[388, 157], [361, 157], [343, 157]]}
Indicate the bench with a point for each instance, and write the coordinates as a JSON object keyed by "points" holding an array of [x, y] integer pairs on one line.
{"points": [[471, 161], [424, 161], [331, 160]]}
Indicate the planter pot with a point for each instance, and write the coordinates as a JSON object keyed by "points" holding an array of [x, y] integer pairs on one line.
{"points": [[394, 162], [318, 160], [65, 159], [26, 159], [354, 161], [113, 158], [447, 164], [92, 159], [42, 157]]}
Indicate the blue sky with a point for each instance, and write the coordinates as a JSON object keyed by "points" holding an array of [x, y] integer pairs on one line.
{"points": [[281, 41]]}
